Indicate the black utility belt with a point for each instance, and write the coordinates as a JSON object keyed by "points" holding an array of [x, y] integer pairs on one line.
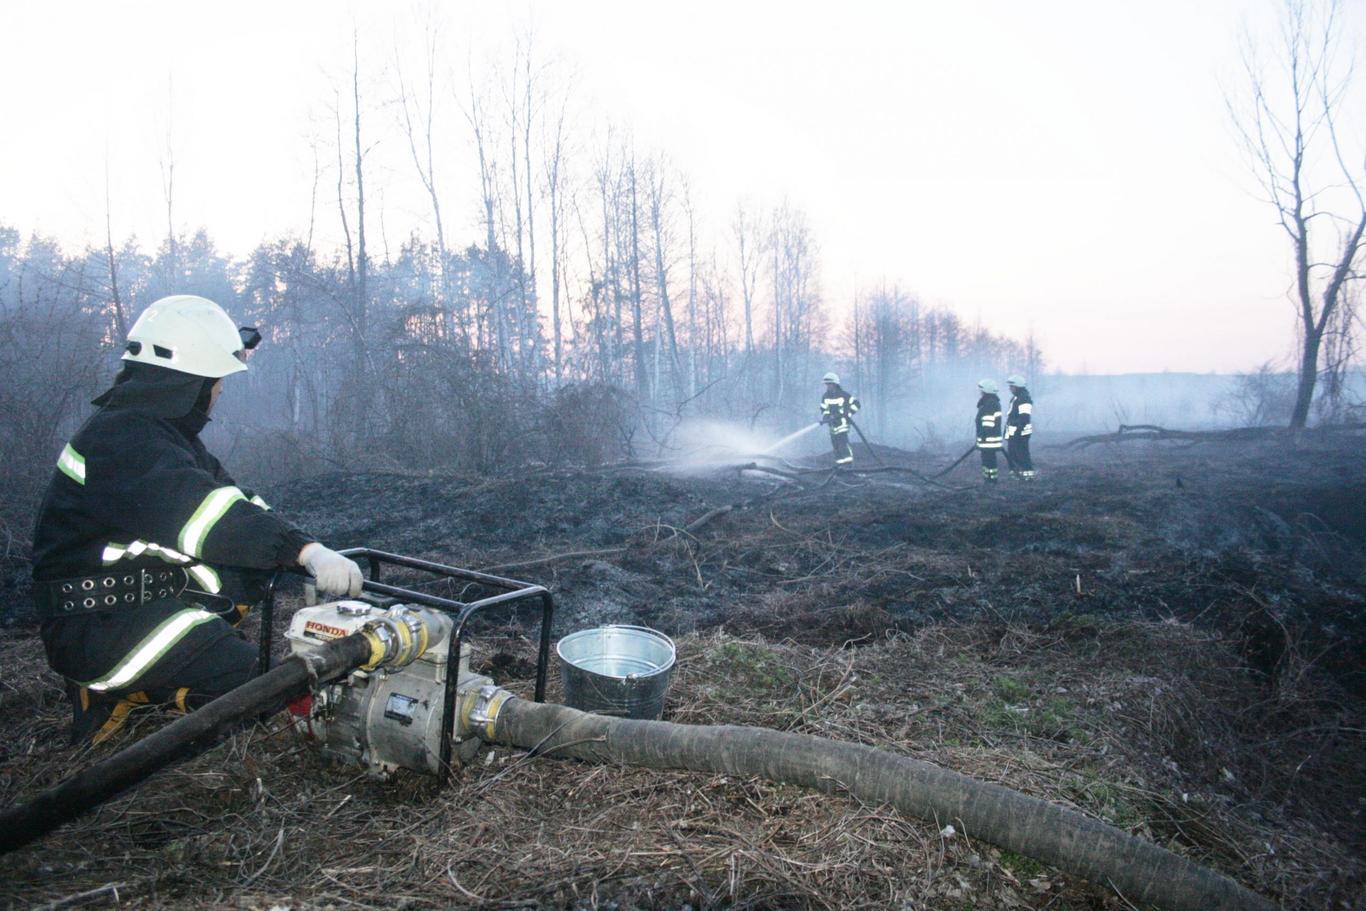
{"points": [[108, 591]]}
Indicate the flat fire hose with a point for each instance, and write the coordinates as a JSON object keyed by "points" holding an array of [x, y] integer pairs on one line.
{"points": [[871, 450], [182, 739], [957, 462]]}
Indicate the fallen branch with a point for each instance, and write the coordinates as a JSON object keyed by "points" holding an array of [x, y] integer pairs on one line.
{"points": [[1130, 432], [81, 898], [571, 555]]}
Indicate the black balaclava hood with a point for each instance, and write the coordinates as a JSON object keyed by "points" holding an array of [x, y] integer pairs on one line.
{"points": [[168, 394]]}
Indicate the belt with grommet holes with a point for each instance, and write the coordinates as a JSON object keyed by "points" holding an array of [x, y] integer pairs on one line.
{"points": [[107, 591]]}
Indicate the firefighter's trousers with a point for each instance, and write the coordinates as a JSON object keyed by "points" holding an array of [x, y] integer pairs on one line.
{"points": [[989, 470], [839, 442], [1017, 449], [169, 651]]}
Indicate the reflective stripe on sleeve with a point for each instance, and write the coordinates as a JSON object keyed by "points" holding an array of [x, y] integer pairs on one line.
{"points": [[257, 501], [72, 464], [116, 552], [207, 578], [1026, 408], [205, 517], [151, 649]]}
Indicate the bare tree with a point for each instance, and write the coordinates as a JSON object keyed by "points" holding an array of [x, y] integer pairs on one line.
{"points": [[660, 199], [418, 109], [168, 183], [1340, 352], [637, 330], [530, 329], [494, 325], [555, 193], [691, 212], [749, 237], [355, 303], [797, 315], [120, 312], [1289, 130]]}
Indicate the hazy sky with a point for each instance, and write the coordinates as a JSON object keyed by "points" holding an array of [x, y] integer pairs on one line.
{"points": [[1065, 166]]}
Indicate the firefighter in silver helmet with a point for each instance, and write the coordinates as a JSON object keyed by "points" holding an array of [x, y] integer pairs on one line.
{"points": [[145, 547], [837, 407]]}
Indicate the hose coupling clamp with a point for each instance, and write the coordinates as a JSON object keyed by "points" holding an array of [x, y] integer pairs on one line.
{"points": [[484, 712]]}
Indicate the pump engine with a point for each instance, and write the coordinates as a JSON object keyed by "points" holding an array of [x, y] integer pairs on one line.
{"points": [[390, 717], [400, 711]]}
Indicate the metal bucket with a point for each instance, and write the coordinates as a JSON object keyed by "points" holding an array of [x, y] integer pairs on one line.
{"points": [[616, 670]]}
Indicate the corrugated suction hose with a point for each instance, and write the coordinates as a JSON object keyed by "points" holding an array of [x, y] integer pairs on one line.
{"points": [[1140, 870]]}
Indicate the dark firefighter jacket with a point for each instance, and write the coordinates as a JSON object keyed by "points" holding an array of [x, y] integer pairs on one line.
{"points": [[836, 409], [988, 421], [1020, 420], [137, 490]]}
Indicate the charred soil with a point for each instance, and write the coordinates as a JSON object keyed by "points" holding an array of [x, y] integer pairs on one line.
{"points": [[1167, 639]]}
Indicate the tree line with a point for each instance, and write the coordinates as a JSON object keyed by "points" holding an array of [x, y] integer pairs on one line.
{"points": [[594, 307]]}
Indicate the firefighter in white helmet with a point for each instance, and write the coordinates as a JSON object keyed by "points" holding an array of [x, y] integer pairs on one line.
{"points": [[1019, 428], [837, 407], [146, 550], [987, 424]]}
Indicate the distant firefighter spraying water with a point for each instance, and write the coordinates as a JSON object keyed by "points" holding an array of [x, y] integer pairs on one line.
{"points": [[988, 427], [837, 407], [1019, 428]]}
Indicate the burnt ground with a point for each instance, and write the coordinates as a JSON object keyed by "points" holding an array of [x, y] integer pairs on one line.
{"points": [[1167, 639]]}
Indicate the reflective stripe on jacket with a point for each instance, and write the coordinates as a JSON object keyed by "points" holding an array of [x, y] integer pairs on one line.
{"points": [[988, 421], [137, 488], [131, 491], [837, 407], [1020, 419]]}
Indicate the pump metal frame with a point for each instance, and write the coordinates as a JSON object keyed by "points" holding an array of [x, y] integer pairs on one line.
{"points": [[511, 592]]}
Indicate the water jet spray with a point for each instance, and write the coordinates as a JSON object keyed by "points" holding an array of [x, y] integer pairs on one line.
{"points": [[789, 438]]}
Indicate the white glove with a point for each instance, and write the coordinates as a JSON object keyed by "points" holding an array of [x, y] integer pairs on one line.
{"points": [[331, 571]]}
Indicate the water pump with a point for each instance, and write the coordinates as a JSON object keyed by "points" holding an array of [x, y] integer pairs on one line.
{"points": [[399, 711], [385, 718]]}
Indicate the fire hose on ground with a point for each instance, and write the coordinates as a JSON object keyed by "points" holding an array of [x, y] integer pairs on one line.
{"points": [[1139, 870], [187, 737]]}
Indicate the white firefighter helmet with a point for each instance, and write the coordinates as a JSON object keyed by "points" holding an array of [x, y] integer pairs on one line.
{"points": [[186, 333], [831, 377], [987, 386], [1015, 379]]}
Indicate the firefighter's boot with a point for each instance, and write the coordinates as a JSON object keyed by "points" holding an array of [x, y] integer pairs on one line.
{"points": [[96, 717]]}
